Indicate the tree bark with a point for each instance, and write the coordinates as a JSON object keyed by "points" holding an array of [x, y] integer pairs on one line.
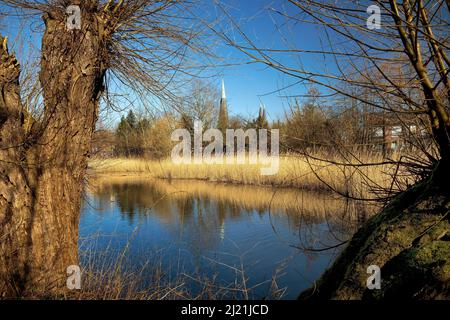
{"points": [[42, 170]]}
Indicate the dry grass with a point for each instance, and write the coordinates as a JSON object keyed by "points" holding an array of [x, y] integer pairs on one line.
{"points": [[294, 172], [107, 285], [107, 276]]}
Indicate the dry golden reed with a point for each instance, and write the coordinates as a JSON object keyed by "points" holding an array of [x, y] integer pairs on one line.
{"points": [[295, 172]]}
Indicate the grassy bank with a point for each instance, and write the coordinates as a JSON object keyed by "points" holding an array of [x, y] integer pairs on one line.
{"points": [[294, 172]]}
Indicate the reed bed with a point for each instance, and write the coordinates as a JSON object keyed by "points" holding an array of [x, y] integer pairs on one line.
{"points": [[294, 172]]}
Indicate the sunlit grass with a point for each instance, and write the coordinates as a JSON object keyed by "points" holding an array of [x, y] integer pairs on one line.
{"points": [[295, 172]]}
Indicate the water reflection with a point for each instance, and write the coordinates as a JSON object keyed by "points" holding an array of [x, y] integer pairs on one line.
{"points": [[210, 227]]}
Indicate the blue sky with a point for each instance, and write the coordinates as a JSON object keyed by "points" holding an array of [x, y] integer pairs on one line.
{"points": [[247, 84]]}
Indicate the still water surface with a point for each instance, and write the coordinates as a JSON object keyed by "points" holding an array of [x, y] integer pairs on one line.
{"points": [[213, 232]]}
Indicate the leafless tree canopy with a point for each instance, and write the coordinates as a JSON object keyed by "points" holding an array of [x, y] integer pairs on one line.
{"points": [[149, 46], [399, 70]]}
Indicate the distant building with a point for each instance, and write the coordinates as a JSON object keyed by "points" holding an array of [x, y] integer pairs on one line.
{"points": [[390, 133]]}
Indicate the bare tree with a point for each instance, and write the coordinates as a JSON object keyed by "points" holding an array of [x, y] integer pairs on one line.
{"points": [[400, 69], [201, 104], [145, 46]]}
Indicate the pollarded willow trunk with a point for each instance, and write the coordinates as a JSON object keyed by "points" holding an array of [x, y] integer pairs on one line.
{"points": [[42, 169], [15, 189]]}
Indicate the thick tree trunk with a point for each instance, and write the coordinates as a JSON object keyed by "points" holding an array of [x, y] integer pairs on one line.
{"points": [[42, 171], [15, 192]]}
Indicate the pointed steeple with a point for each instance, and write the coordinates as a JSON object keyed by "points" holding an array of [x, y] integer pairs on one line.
{"points": [[223, 112], [262, 110], [261, 121], [224, 96]]}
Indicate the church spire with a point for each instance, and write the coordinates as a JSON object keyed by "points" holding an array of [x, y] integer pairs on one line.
{"points": [[261, 121], [262, 110], [223, 112], [224, 96]]}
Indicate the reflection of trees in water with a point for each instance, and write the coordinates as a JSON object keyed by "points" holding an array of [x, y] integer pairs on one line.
{"points": [[198, 217], [198, 221], [139, 198], [330, 233], [131, 198]]}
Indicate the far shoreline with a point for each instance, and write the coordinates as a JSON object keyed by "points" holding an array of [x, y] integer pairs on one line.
{"points": [[294, 173]]}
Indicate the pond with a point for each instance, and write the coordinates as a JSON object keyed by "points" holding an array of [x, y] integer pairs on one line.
{"points": [[245, 241]]}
